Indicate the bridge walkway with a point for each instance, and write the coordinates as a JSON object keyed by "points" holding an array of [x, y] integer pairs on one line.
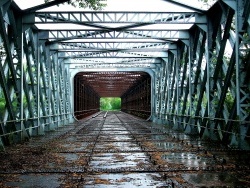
{"points": [[115, 149]]}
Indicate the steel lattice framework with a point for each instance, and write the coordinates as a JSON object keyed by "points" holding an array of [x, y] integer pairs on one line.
{"points": [[198, 61]]}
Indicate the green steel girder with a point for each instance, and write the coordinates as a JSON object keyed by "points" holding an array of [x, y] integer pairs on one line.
{"points": [[7, 47], [158, 76], [6, 92], [4, 2], [115, 17], [170, 68], [109, 45], [26, 80], [226, 85], [30, 79], [243, 67], [9, 81], [55, 96], [76, 18], [201, 74], [183, 58], [213, 79], [185, 106], [198, 57], [43, 82], [223, 42], [160, 34], [184, 86], [84, 51]]}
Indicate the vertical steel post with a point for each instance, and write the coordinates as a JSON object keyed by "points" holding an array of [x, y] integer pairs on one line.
{"points": [[21, 80], [176, 90], [237, 62], [153, 96], [188, 123], [237, 53], [208, 75], [20, 39], [38, 87]]}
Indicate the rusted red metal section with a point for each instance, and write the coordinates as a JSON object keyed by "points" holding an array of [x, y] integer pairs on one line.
{"points": [[86, 100], [134, 88], [111, 84], [137, 100]]}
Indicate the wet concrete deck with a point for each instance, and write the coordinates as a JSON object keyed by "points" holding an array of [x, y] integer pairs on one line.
{"points": [[122, 151]]}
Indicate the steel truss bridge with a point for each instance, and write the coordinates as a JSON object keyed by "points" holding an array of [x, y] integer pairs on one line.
{"points": [[189, 70]]}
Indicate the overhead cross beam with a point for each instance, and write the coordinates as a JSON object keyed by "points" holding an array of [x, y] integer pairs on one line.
{"points": [[115, 17], [113, 50], [110, 46], [109, 55], [75, 61], [123, 32], [131, 34]]}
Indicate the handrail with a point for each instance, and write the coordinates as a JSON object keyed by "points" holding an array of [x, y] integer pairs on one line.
{"points": [[210, 119], [36, 118], [105, 115]]}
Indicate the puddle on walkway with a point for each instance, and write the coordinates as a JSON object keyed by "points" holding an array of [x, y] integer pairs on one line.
{"points": [[117, 146], [76, 146], [69, 157], [187, 159], [119, 160], [36, 181], [115, 137], [168, 145], [214, 179], [132, 180], [114, 128]]}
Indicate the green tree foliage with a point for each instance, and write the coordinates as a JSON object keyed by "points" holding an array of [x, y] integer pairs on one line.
{"points": [[2, 104], [229, 101], [207, 3], [92, 4], [110, 103]]}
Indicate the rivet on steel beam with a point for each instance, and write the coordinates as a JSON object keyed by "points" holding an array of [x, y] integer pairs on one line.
{"points": [[214, 157], [165, 176], [223, 161], [172, 184], [222, 167]]}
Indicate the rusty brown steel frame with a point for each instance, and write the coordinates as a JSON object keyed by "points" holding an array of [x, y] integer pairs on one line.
{"points": [[134, 88], [137, 100]]}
